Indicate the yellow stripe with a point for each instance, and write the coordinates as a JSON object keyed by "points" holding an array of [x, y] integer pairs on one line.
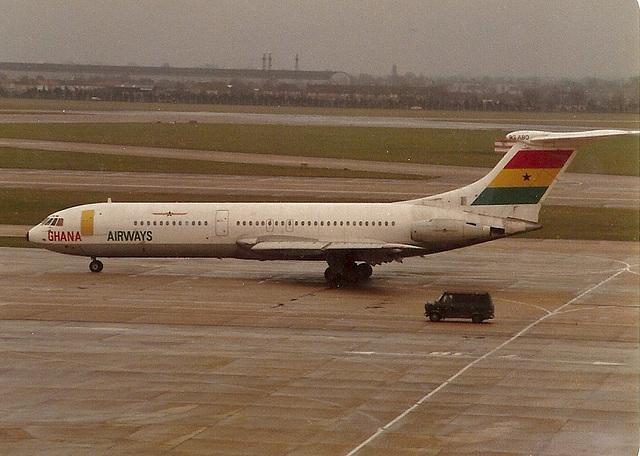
{"points": [[540, 177]]}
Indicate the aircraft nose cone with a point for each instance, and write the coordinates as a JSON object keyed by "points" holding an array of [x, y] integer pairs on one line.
{"points": [[32, 235]]}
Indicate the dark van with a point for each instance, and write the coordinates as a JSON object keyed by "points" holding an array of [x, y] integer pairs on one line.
{"points": [[477, 306]]}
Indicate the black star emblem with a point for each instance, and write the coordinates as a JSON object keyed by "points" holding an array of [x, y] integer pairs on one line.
{"points": [[527, 176]]}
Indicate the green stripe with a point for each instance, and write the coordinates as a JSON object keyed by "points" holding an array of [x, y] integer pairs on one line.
{"points": [[491, 196]]}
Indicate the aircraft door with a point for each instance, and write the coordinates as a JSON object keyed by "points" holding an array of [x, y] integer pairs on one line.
{"points": [[222, 223], [86, 223]]}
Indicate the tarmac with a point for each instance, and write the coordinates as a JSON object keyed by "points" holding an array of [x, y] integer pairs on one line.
{"points": [[297, 119], [230, 357]]}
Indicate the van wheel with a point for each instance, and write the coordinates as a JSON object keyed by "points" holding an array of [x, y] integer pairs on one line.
{"points": [[434, 316], [476, 318]]}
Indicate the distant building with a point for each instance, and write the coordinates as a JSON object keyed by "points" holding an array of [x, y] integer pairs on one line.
{"points": [[70, 72]]}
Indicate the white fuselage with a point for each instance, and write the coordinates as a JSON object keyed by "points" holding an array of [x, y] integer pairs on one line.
{"points": [[232, 229]]}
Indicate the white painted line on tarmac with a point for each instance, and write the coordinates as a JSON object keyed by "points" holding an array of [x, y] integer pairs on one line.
{"points": [[491, 352], [413, 355], [469, 355]]}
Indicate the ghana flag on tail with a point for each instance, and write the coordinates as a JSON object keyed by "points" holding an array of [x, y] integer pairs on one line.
{"points": [[525, 178]]}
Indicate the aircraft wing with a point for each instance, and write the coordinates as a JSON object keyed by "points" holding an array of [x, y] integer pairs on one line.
{"points": [[366, 250]]}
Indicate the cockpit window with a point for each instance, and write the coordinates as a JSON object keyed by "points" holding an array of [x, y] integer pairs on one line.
{"points": [[53, 221]]}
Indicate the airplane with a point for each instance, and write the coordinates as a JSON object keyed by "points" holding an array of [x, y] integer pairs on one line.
{"points": [[350, 237]]}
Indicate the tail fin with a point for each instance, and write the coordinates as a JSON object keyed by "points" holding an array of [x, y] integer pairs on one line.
{"points": [[519, 183]]}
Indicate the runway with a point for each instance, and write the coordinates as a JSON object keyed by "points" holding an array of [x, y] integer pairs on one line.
{"points": [[225, 357], [298, 119]]}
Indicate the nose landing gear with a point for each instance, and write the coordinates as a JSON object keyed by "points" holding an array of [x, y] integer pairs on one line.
{"points": [[95, 265]]}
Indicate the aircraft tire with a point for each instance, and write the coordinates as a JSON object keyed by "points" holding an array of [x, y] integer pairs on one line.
{"points": [[353, 274], [333, 276], [329, 274], [96, 266], [364, 271]]}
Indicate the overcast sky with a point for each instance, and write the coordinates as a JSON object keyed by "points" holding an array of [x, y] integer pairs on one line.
{"points": [[556, 38]]}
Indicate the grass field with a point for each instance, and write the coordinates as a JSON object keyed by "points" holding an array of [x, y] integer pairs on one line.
{"points": [[441, 147], [39, 159], [583, 119], [567, 222]]}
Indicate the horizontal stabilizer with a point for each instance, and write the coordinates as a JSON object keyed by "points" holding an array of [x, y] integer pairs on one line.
{"points": [[564, 140]]}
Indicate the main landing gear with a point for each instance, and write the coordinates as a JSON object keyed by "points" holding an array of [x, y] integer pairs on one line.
{"points": [[95, 265], [340, 274]]}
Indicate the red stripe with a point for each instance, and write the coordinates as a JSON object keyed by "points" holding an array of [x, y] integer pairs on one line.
{"points": [[533, 159]]}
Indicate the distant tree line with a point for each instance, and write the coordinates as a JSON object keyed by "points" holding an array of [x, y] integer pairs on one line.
{"points": [[396, 92]]}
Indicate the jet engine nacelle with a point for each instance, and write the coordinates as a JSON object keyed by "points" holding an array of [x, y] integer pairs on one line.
{"points": [[438, 230]]}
